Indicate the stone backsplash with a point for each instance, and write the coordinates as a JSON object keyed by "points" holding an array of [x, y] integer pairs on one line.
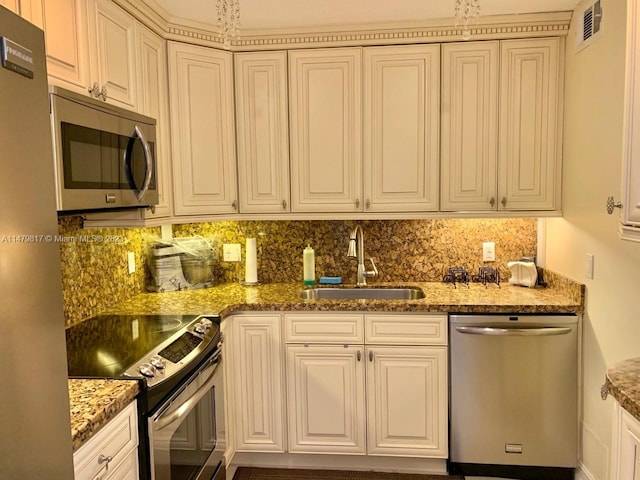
{"points": [[94, 267], [403, 250]]}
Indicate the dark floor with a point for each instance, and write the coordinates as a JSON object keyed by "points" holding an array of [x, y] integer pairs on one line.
{"points": [[251, 473]]}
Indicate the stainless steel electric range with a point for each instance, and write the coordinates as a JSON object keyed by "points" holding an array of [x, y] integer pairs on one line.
{"points": [[177, 360]]}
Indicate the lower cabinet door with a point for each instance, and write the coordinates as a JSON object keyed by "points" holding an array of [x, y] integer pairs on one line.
{"points": [[326, 399], [257, 378], [407, 401]]}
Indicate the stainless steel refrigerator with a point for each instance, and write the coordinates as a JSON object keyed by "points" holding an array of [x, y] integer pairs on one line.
{"points": [[35, 433]]}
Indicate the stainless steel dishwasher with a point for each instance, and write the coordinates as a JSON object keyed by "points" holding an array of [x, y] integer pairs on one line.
{"points": [[514, 396]]}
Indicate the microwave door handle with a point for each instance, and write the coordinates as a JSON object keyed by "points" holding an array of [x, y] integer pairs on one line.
{"points": [[148, 160], [164, 421], [147, 157]]}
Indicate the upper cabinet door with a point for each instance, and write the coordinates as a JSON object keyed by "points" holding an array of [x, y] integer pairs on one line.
{"points": [[65, 29], [262, 131], [202, 127], [401, 134], [531, 82], [631, 148], [325, 129], [154, 102], [113, 52], [469, 126]]}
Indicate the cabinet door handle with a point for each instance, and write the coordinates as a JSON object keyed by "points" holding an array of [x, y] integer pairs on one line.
{"points": [[367, 204], [284, 204], [359, 355], [357, 203], [234, 204], [492, 201], [105, 469], [504, 201], [371, 355], [611, 204]]}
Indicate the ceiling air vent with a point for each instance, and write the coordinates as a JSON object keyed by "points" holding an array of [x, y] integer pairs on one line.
{"points": [[590, 21]]}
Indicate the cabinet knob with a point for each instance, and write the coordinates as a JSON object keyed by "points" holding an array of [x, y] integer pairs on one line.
{"points": [[234, 205], [371, 355], [97, 92], [492, 201], [359, 355], [367, 204], [504, 201], [611, 204], [357, 203]]}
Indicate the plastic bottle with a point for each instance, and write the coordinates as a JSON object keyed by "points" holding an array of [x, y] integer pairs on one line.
{"points": [[309, 263]]}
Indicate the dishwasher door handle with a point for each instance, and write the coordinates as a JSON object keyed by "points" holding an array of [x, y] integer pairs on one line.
{"points": [[514, 332]]}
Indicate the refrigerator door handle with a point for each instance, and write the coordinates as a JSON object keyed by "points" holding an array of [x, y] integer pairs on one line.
{"points": [[514, 332]]}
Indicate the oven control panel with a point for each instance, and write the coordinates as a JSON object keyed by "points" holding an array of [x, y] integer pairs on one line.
{"points": [[177, 352]]}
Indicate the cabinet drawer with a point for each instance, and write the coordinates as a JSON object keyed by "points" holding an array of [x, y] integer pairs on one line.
{"points": [[117, 439], [324, 328], [406, 329]]}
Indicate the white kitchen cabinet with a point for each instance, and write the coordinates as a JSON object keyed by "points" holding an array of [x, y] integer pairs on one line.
{"points": [[112, 451], [516, 84], [399, 360], [626, 445], [202, 129], [325, 99], [530, 136], [112, 47], [326, 399], [469, 170], [401, 134], [257, 377], [262, 131], [66, 38], [630, 215], [407, 401], [153, 95], [407, 382]]}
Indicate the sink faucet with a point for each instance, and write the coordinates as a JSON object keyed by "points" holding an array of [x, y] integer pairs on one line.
{"points": [[357, 237]]}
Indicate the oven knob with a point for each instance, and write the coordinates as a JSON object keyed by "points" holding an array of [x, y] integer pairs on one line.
{"points": [[147, 370], [201, 329], [158, 362], [207, 323]]}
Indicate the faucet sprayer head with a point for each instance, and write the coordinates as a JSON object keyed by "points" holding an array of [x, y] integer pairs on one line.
{"points": [[352, 248]]}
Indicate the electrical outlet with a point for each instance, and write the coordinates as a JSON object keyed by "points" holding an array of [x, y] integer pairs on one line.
{"points": [[488, 251], [589, 261], [131, 262], [231, 252]]}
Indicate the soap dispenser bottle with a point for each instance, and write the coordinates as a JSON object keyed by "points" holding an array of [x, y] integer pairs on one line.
{"points": [[309, 264]]}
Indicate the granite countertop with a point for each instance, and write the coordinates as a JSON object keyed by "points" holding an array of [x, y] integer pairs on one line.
{"points": [[95, 402], [622, 382], [230, 298]]}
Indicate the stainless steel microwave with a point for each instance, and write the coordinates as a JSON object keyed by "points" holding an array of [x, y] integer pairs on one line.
{"points": [[104, 155]]}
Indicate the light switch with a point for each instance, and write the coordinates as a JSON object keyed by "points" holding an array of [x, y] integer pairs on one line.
{"points": [[131, 262], [589, 261]]}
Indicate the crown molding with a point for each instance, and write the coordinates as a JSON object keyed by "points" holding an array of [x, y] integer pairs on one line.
{"points": [[494, 27]]}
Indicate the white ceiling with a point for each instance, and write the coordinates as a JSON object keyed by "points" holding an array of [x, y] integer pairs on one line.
{"points": [[258, 14]]}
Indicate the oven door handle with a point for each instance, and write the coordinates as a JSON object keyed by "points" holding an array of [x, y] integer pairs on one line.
{"points": [[184, 409]]}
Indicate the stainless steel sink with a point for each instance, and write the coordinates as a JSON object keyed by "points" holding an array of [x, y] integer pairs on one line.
{"points": [[362, 293]]}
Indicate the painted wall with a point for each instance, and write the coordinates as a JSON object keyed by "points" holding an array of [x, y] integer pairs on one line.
{"points": [[594, 100]]}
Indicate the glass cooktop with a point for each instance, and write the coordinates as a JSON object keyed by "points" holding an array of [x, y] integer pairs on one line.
{"points": [[105, 345]]}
